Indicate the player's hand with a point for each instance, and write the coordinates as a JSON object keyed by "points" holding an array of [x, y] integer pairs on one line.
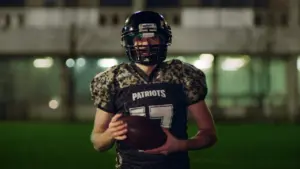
{"points": [[117, 128], [172, 145]]}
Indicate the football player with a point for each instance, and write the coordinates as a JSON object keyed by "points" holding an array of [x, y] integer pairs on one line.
{"points": [[157, 89]]}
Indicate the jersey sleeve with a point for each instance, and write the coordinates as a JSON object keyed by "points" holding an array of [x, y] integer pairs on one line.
{"points": [[102, 91], [194, 83]]}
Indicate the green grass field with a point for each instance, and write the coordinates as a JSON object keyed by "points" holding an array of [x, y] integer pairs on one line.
{"points": [[67, 146]]}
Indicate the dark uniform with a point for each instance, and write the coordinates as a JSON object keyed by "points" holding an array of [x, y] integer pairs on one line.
{"points": [[163, 96]]}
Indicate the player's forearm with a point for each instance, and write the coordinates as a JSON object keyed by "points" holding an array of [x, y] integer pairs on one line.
{"points": [[203, 139], [102, 141]]}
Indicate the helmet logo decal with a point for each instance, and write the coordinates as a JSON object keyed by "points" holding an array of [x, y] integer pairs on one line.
{"points": [[148, 35], [147, 27]]}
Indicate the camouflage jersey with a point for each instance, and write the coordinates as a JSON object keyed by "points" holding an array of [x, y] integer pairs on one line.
{"points": [[163, 96]]}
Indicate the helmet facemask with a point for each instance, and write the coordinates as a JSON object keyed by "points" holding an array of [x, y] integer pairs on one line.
{"points": [[147, 48]]}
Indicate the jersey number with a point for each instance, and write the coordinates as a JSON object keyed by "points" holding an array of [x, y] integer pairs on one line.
{"points": [[162, 112]]}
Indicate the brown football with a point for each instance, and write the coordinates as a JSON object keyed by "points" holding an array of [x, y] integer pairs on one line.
{"points": [[143, 133]]}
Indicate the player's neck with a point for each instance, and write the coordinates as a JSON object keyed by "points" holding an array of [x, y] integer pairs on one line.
{"points": [[146, 69]]}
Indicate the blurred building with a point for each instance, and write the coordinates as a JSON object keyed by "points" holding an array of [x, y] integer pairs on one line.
{"points": [[51, 49]]}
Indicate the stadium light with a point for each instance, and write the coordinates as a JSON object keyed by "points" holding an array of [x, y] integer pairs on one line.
{"points": [[207, 56], [80, 62], [53, 104], [43, 62], [106, 63], [233, 64], [204, 62], [70, 62]]}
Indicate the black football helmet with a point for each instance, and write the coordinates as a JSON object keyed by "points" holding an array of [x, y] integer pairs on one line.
{"points": [[148, 27]]}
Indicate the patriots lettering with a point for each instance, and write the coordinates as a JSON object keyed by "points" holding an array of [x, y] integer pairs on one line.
{"points": [[150, 93]]}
